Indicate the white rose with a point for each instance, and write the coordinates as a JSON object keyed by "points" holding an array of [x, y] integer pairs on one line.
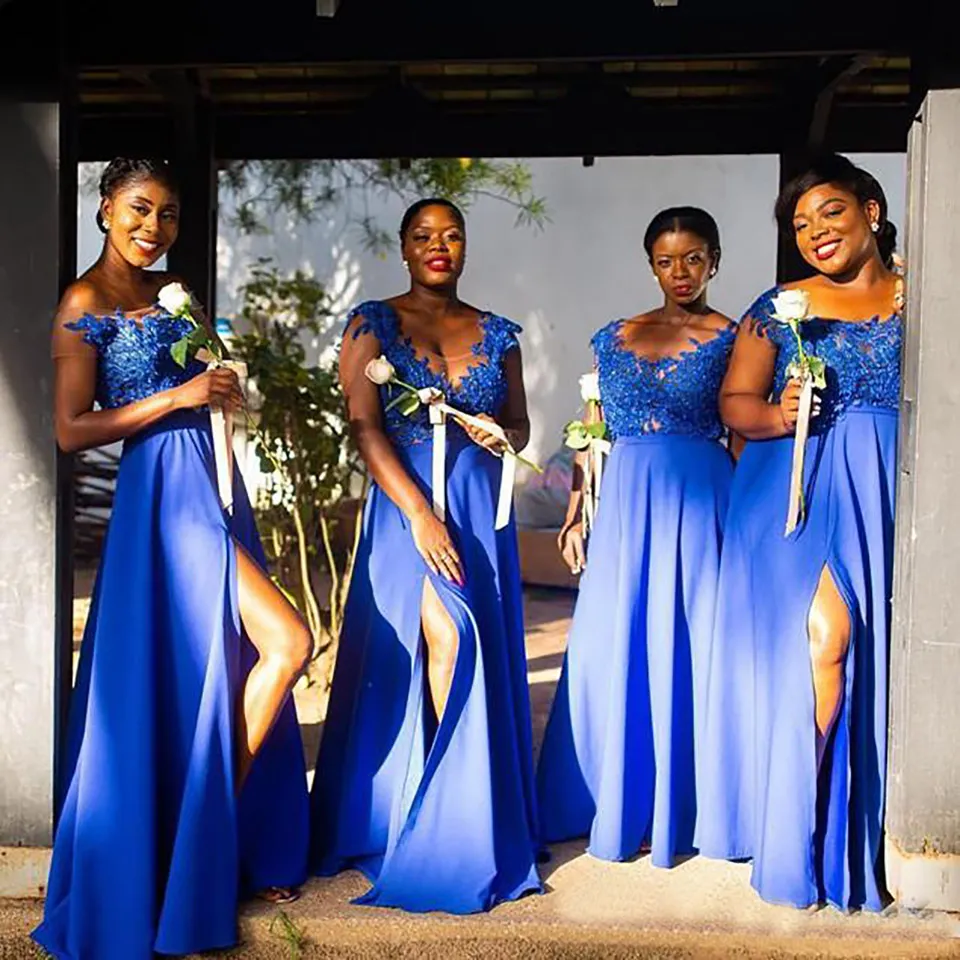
{"points": [[590, 387], [380, 371], [791, 305], [174, 299]]}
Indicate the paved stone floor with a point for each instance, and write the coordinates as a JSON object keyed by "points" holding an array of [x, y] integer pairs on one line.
{"points": [[591, 909]]}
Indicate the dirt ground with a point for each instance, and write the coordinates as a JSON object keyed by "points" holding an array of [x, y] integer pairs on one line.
{"points": [[591, 909]]}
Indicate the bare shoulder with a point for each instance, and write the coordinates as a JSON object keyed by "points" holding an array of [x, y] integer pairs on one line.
{"points": [[81, 297]]}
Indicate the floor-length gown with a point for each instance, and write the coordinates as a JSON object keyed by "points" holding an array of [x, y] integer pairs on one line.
{"points": [[152, 850], [809, 842], [438, 819], [619, 758]]}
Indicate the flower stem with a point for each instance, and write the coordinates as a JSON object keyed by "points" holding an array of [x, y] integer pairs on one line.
{"points": [[801, 353]]}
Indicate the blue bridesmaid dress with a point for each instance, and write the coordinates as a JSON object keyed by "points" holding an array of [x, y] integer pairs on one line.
{"points": [[619, 754], [445, 818], [152, 850], [809, 842]]}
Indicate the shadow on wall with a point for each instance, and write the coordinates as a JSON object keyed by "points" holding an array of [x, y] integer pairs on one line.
{"points": [[585, 268], [29, 191], [29, 279]]}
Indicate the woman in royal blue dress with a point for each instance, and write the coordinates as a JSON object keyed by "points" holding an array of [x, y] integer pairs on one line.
{"points": [[619, 759], [185, 782], [796, 705], [425, 772]]}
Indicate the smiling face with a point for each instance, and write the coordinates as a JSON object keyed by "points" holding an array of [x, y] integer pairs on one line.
{"points": [[142, 219], [435, 246], [682, 263], [833, 229]]}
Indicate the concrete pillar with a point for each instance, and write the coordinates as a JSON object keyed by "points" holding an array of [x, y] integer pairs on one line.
{"points": [[923, 782], [32, 599], [194, 256]]}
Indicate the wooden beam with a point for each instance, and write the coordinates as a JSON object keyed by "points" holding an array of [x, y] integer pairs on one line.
{"points": [[830, 76], [558, 129], [365, 31]]}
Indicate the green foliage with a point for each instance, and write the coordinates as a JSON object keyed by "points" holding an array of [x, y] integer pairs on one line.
{"points": [[303, 443], [307, 189]]}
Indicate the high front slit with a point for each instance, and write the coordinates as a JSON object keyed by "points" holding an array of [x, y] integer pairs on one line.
{"points": [[807, 846], [437, 817]]}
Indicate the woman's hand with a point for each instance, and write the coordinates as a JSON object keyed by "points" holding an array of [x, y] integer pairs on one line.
{"points": [[572, 548], [790, 405], [218, 388], [432, 540], [480, 437]]}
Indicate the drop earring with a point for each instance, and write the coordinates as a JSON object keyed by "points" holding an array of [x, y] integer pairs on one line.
{"points": [[874, 226]]}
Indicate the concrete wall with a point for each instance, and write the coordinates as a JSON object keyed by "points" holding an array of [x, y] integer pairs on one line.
{"points": [[923, 804], [29, 279]]}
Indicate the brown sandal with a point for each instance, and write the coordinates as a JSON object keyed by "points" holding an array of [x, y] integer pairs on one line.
{"points": [[278, 895]]}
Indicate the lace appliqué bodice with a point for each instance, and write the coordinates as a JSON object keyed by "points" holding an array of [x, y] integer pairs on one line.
{"points": [[481, 389], [862, 358], [133, 355], [670, 395]]}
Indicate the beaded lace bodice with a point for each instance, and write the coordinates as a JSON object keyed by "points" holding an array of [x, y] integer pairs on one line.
{"points": [[862, 357], [481, 389], [133, 354], [670, 395]]}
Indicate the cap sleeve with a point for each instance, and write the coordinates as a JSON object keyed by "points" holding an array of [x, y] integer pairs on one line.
{"points": [[372, 318], [604, 338], [500, 337], [758, 317]]}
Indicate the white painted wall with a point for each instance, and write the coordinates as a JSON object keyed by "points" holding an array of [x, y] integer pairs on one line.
{"points": [[585, 268]]}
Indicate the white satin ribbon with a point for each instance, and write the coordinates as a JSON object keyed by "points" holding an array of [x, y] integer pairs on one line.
{"points": [[593, 474], [439, 412], [221, 426], [795, 506]]}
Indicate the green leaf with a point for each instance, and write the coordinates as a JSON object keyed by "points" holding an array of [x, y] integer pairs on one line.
{"points": [[818, 370], [179, 351], [409, 405], [198, 337], [396, 401], [576, 435], [597, 430]]}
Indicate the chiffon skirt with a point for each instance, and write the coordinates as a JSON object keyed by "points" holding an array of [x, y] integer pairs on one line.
{"points": [[438, 816], [810, 842], [619, 759], [152, 850]]}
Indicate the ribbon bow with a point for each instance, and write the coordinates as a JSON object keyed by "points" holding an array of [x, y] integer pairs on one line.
{"points": [[440, 411]]}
